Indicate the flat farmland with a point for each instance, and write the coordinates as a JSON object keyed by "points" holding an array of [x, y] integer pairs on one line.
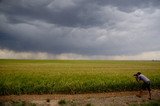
{"points": [[74, 76]]}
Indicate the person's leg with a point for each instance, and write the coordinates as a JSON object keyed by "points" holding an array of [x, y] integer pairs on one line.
{"points": [[141, 90], [149, 94], [149, 90]]}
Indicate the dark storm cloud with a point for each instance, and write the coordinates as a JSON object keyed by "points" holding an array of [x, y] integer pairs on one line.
{"points": [[129, 5], [71, 14], [89, 27], [68, 13]]}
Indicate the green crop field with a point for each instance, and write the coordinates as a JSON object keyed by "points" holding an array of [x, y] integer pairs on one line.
{"points": [[73, 76]]}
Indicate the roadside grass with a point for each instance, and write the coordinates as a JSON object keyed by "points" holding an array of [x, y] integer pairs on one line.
{"points": [[73, 76]]}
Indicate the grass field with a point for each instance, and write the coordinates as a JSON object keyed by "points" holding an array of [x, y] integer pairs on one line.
{"points": [[73, 76]]}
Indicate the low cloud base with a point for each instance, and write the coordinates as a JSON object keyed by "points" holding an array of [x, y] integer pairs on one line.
{"points": [[10, 54]]}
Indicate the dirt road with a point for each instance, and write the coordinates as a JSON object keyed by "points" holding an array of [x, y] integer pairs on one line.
{"points": [[92, 99]]}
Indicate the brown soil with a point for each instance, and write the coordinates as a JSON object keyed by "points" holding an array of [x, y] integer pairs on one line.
{"points": [[95, 99]]}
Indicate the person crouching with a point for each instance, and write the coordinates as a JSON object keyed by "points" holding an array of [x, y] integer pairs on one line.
{"points": [[145, 85]]}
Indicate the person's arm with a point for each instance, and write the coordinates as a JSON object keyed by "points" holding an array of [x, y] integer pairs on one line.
{"points": [[137, 79]]}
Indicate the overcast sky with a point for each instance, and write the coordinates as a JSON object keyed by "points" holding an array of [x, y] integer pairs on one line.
{"points": [[80, 29]]}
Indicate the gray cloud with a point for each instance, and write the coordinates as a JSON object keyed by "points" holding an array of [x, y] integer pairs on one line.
{"points": [[70, 13], [86, 27]]}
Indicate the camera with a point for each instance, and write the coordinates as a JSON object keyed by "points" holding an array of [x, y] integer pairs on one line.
{"points": [[135, 75]]}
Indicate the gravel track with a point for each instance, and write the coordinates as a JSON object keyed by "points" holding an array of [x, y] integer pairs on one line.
{"points": [[90, 99]]}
